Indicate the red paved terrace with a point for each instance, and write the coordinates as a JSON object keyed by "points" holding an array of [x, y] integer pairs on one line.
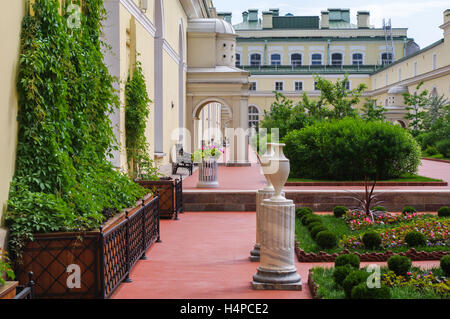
{"points": [[205, 256]]}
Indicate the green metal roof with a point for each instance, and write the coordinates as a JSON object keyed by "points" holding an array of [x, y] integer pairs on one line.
{"points": [[303, 22], [248, 25], [342, 25]]}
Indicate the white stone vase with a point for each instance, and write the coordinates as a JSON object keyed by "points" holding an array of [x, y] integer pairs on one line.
{"points": [[208, 173], [278, 171], [265, 162]]}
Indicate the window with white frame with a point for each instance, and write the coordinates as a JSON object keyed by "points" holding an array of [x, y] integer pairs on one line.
{"points": [[252, 86], [315, 86], [255, 59], [316, 59], [386, 58], [336, 59], [279, 86], [275, 59], [357, 59], [296, 59], [399, 75], [434, 61], [253, 117], [298, 86], [347, 86], [238, 59], [415, 68]]}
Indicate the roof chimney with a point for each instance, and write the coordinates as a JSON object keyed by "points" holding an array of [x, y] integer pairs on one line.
{"points": [[276, 12], [363, 19], [267, 22], [325, 20], [253, 15], [245, 16], [225, 16]]}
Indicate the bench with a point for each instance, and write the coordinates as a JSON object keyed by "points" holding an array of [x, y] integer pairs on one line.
{"points": [[183, 159]]}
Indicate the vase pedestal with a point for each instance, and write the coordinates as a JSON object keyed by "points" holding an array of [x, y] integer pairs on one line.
{"points": [[277, 269], [208, 174]]}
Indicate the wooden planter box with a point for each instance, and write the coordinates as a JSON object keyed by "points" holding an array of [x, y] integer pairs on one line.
{"points": [[8, 290], [170, 194], [105, 257]]}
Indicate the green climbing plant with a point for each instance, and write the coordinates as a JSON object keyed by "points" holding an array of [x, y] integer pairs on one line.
{"points": [[63, 179], [137, 110]]}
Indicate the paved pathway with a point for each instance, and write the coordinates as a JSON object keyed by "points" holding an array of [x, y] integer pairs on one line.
{"points": [[251, 178], [205, 256]]}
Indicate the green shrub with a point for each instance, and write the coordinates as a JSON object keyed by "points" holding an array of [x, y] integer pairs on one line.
{"points": [[314, 224], [371, 240], [317, 229], [444, 211], [347, 259], [302, 211], [400, 265], [311, 218], [340, 273], [415, 238], [408, 210], [445, 265], [361, 291], [351, 149], [340, 211], [326, 239], [353, 279], [431, 150], [443, 147], [379, 208]]}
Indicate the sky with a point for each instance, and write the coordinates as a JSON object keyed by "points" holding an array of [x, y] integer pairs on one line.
{"points": [[421, 17]]}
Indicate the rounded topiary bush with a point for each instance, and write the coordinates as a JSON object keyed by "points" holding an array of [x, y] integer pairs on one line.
{"points": [[350, 149], [379, 209], [347, 259], [326, 239], [415, 238], [444, 211], [400, 265], [302, 211], [340, 273], [340, 211], [317, 229], [314, 224], [308, 219], [353, 279], [361, 291], [371, 240], [445, 265], [408, 210], [443, 146]]}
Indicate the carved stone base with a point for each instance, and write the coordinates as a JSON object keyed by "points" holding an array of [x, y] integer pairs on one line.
{"points": [[276, 280], [254, 253]]}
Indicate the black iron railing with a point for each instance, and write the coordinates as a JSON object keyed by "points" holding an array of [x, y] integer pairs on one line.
{"points": [[105, 258]]}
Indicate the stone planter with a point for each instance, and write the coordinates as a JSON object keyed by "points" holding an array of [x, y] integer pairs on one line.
{"points": [[208, 173]]}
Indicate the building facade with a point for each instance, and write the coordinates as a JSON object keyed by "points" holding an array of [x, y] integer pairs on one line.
{"points": [[285, 53]]}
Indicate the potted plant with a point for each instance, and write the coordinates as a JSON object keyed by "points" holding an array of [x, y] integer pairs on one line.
{"points": [[7, 288], [207, 165]]}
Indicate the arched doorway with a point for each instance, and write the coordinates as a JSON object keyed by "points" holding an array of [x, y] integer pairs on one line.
{"points": [[211, 118]]}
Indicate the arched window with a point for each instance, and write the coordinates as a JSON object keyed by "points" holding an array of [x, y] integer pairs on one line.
{"points": [[386, 58], [255, 59], [357, 59], [296, 59], [238, 59], [275, 59], [253, 117], [316, 59], [336, 59]]}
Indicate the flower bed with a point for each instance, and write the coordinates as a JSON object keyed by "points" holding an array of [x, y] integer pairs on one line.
{"points": [[391, 230], [417, 284]]}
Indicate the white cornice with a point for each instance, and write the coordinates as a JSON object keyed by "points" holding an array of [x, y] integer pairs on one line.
{"points": [[414, 80], [171, 52], [136, 12]]}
